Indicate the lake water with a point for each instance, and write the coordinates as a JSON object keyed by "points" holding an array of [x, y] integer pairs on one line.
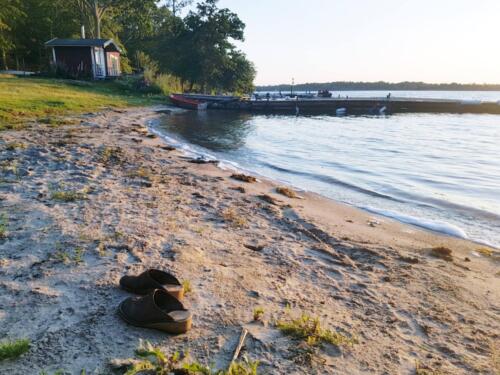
{"points": [[437, 171]]}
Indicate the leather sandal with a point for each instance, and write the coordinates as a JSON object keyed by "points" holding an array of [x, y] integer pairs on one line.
{"points": [[157, 310], [150, 280]]}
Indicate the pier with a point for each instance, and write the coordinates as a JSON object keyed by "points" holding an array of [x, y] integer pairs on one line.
{"points": [[357, 106]]}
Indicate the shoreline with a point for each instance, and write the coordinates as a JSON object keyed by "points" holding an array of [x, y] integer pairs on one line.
{"points": [[435, 227], [148, 206]]}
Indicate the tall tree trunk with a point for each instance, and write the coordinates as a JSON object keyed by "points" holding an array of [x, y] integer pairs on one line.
{"points": [[4, 58], [97, 17]]}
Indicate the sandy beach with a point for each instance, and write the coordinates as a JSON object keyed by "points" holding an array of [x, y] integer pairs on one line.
{"points": [[87, 203]]}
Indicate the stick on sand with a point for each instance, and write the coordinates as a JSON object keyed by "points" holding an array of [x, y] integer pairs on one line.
{"points": [[243, 336]]}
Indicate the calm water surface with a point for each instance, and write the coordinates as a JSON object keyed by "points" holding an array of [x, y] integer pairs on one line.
{"points": [[441, 172]]}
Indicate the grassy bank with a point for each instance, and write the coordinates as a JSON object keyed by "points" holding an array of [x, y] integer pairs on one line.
{"points": [[25, 99]]}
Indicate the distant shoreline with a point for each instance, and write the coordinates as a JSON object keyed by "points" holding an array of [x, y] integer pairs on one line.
{"points": [[378, 86]]}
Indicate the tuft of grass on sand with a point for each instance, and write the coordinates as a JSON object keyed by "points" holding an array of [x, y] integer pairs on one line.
{"points": [[68, 196], [152, 360], [65, 257], [286, 192], [3, 226], [110, 155], [421, 369], [442, 252], [140, 172], [309, 329], [258, 313], [13, 349], [102, 249], [29, 99], [12, 146], [231, 216], [186, 284]]}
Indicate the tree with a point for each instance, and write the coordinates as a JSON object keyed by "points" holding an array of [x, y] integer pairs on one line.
{"points": [[93, 11], [208, 54], [10, 13], [178, 5], [47, 19], [238, 74]]}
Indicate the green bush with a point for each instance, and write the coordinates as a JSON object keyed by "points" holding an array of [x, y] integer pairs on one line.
{"points": [[167, 84]]}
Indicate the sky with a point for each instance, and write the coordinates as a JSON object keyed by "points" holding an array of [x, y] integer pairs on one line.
{"points": [[370, 40]]}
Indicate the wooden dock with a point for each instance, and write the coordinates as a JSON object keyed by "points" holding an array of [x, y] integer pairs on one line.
{"points": [[358, 106]]}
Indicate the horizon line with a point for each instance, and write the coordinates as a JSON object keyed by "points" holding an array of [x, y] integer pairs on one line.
{"points": [[385, 82]]}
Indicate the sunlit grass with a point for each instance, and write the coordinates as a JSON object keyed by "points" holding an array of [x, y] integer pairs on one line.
{"points": [[13, 349], [309, 329], [25, 99]]}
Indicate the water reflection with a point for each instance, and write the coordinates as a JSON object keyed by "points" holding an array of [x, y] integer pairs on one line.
{"points": [[217, 131]]}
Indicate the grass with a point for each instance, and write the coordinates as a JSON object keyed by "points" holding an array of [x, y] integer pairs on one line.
{"points": [[3, 226], [424, 370], [186, 284], [102, 249], [66, 257], [68, 196], [231, 216], [12, 146], [25, 99], [13, 349], [258, 313], [108, 155], [154, 361], [140, 172], [58, 194], [309, 329]]}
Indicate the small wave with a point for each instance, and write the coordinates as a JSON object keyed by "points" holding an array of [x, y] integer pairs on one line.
{"points": [[436, 226], [333, 181]]}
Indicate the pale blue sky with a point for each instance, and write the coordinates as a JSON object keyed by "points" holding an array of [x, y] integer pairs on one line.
{"points": [[368, 40]]}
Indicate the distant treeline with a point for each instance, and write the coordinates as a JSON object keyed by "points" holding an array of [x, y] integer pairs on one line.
{"points": [[385, 86]]}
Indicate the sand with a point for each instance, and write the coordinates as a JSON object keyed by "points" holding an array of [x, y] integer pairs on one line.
{"points": [[139, 205]]}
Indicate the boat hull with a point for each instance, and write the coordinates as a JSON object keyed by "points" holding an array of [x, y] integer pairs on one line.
{"points": [[186, 103]]}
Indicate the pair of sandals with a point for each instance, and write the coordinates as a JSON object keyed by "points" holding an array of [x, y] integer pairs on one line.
{"points": [[160, 306]]}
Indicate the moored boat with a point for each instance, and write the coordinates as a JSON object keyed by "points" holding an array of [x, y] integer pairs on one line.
{"points": [[187, 103]]}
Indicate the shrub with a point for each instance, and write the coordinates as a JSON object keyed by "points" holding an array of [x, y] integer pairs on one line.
{"points": [[167, 83]]}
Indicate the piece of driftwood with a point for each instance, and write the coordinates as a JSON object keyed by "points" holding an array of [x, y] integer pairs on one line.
{"points": [[241, 342]]}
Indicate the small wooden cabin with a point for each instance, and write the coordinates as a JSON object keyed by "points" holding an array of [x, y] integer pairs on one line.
{"points": [[95, 58]]}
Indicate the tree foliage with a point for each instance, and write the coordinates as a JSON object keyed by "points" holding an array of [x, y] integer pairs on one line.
{"points": [[198, 48]]}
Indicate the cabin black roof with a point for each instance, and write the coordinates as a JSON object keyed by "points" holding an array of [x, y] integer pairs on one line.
{"points": [[104, 43]]}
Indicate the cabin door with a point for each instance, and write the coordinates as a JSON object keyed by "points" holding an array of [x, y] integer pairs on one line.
{"points": [[100, 63]]}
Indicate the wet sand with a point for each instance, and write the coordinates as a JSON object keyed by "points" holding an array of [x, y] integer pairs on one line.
{"points": [[135, 204]]}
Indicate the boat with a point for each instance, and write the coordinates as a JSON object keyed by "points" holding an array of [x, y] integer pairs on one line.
{"points": [[324, 94], [187, 103], [212, 98]]}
